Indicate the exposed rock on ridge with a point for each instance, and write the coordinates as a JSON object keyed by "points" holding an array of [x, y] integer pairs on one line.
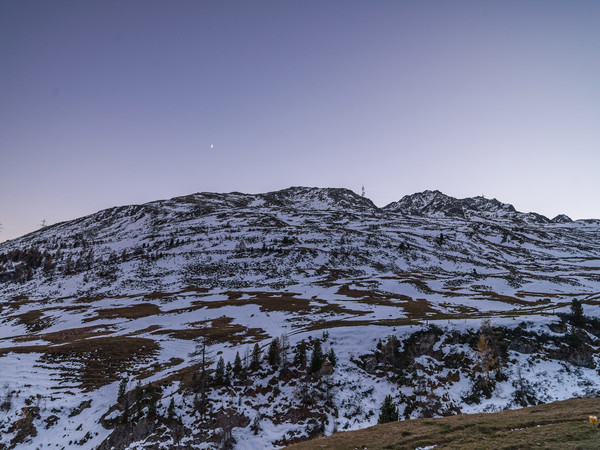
{"points": [[436, 204]]}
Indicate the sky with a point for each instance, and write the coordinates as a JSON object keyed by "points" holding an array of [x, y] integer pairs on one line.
{"points": [[119, 102]]}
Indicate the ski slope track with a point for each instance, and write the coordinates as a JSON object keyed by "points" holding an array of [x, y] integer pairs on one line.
{"points": [[407, 297]]}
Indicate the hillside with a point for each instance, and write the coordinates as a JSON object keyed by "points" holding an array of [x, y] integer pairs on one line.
{"points": [[446, 312], [557, 425]]}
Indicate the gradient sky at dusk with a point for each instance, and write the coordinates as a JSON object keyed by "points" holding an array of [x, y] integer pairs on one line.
{"points": [[117, 102]]}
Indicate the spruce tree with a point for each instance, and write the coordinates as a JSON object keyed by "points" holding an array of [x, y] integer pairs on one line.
{"points": [[171, 410], [122, 391], [300, 354], [138, 392], [255, 358], [284, 345], [237, 365], [389, 411], [577, 317], [220, 372], [331, 357], [273, 353], [228, 373], [152, 400], [316, 359]]}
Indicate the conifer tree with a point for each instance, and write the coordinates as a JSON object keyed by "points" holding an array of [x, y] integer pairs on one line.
{"points": [[122, 391], [316, 359], [220, 372], [300, 354], [284, 344], [171, 410], [389, 411], [331, 357], [273, 353], [237, 366], [228, 373], [255, 358], [577, 317]]}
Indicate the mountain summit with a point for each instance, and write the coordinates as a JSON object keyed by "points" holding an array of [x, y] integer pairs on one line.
{"points": [[436, 204]]}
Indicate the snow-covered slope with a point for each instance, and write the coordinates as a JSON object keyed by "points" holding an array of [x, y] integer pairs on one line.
{"points": [[131, 292]]}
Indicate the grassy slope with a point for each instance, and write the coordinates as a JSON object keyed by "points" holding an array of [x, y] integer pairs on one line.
{"points": [[554, 425]]}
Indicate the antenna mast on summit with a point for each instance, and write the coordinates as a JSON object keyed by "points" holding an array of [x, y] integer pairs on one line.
{"points": [[363, 190]]}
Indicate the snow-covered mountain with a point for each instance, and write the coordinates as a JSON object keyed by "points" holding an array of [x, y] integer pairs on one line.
{"points": [[401, 295], [437, 204]]}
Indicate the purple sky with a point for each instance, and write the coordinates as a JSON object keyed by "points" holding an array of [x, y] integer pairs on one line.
{"points": [[117, 102]]}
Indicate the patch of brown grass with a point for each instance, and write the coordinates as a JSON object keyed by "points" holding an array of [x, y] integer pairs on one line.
{"points": [[220, 330], [34, 321], [103, 359], [72, 334], [93, 362], [418, 308], [267, 301], [495, 297], [556, 425], [126, 312]]}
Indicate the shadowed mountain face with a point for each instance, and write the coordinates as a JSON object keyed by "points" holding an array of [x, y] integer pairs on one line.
{"points": [[132, 292]]}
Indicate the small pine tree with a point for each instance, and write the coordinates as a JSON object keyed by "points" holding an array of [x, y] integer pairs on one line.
{"points": [[577, 317], [220, 372], [171, 410], [273, 353], [237, 365], [316, 359], [122, 393], [284, 344], [300, 354], [331, 357], [255, 427], [228, 373], [389, 411], [255, 358]]}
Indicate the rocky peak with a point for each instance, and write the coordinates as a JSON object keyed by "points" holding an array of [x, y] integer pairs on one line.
{"points": [[561, 218], [435, 203], [317, 198]]}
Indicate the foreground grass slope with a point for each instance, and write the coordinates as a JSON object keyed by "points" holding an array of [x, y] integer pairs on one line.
{"points": [[555, 425]]}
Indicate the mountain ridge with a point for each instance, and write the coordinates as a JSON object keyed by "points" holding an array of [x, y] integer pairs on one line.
{"points": [[428, 203], [437, 204]]}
